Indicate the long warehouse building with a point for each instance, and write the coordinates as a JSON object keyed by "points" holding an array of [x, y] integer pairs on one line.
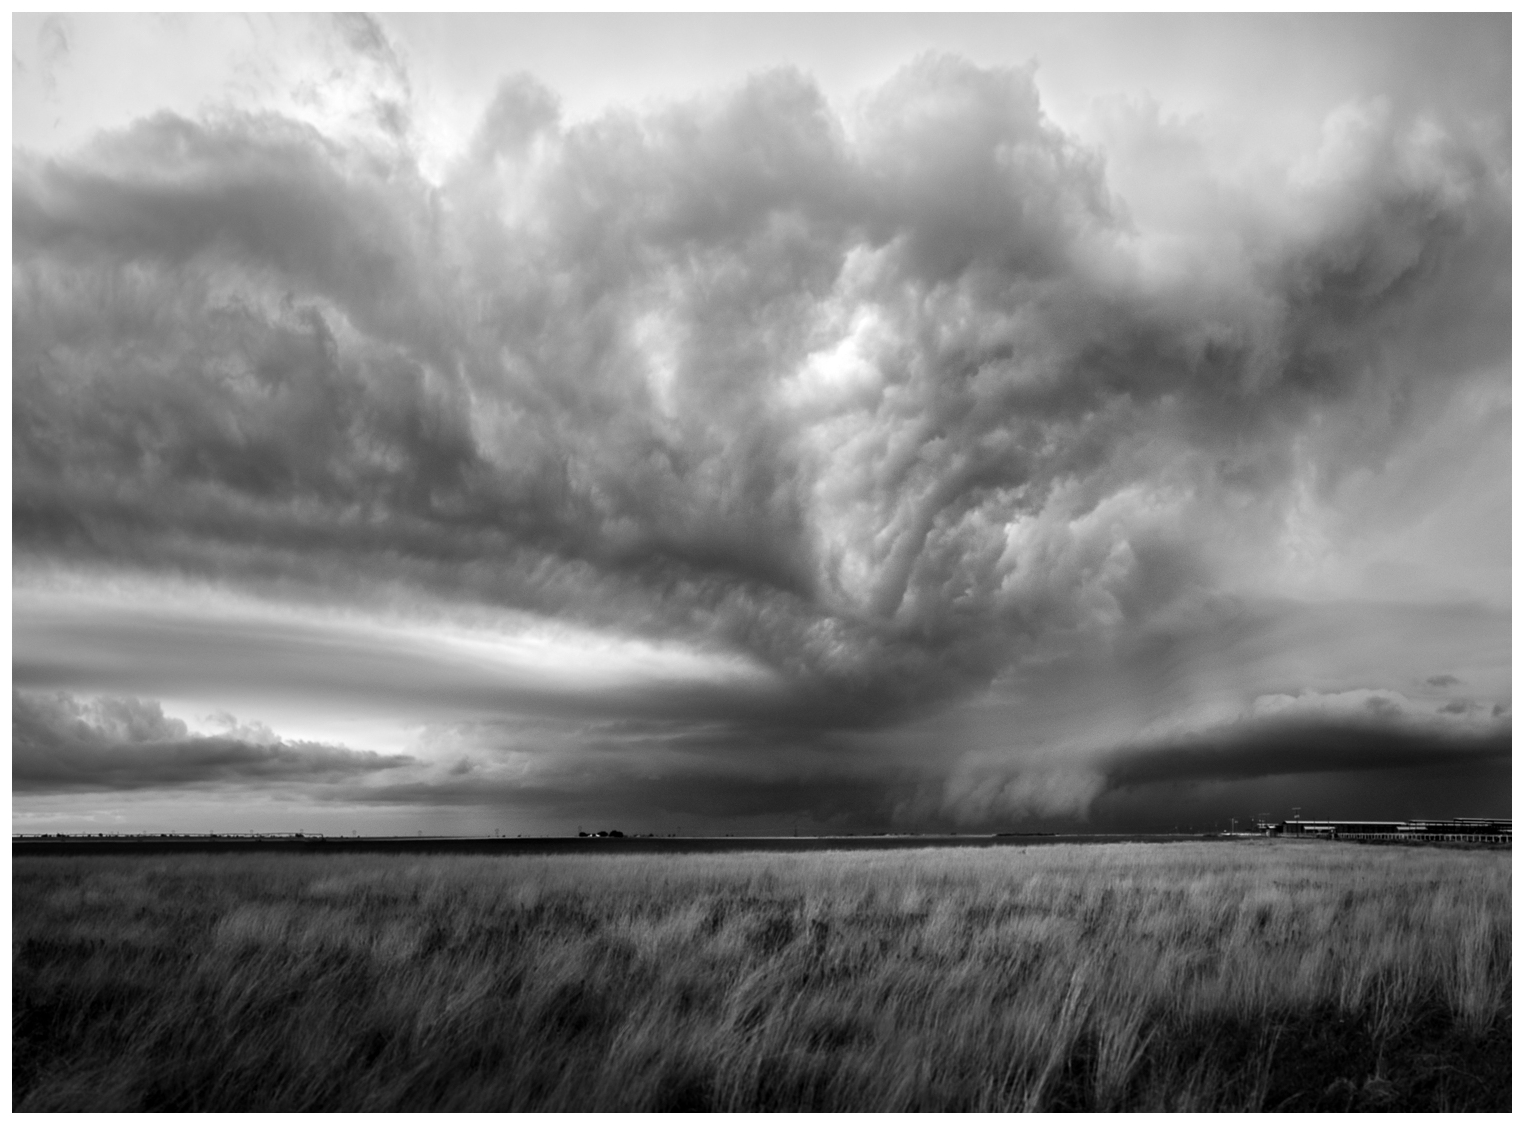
{"points": [[1460, 830]]}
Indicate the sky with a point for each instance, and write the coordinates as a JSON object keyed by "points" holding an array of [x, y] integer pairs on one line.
{"points": [[749, 425]]}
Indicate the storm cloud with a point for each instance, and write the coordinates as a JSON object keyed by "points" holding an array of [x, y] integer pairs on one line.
{"points": [[60, 744], [1306, 748], [888, 408]]}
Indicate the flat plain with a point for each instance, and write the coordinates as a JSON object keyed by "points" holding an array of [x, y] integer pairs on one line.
{"points": [[1209, 975]]}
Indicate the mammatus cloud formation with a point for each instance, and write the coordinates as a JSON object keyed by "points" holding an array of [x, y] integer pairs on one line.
{"points": [[899, 409]]}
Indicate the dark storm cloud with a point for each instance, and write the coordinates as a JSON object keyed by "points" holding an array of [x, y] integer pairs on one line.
{"points": [[1442, 681], [651, 775], [847, 803], [61, 744], [1328, 769], [1474, 785], [877, 402], [1275, 749]]}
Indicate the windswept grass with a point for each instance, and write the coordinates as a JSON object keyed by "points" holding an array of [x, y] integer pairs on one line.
{"points": [[1155, 976]]}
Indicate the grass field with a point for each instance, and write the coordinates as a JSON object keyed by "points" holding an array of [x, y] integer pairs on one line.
{"points": [[1192, 976]]}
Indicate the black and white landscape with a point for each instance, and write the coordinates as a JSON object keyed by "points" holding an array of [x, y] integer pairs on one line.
{"points": [[713, 426]]}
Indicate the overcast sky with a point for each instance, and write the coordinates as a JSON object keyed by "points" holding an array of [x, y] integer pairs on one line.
{"points": [[735, 424]]}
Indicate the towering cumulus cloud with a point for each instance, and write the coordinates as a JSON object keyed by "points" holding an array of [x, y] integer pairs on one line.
{"points": [[969, 486]]}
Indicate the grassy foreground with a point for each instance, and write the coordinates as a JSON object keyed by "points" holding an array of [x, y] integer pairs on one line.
{"points": [[1198, 976]]}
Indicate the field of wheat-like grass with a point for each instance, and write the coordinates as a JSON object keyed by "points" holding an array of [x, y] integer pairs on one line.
{"points": [[1192, 976]]}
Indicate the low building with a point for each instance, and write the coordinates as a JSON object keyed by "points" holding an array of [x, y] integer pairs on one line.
{"points": [[1460, 830]]}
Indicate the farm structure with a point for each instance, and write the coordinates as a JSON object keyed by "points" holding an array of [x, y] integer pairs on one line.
{"points": [[1457, 830]]}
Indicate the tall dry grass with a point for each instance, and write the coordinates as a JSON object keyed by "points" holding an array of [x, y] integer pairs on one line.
{"points": [[1136, 976]]}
